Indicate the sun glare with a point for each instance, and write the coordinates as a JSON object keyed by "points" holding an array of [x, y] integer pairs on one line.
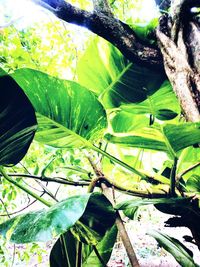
{"points": [[21, 12]]}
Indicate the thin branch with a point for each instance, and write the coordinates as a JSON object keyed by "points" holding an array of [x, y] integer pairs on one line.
{"points": [[61, 180], [111, 29], [22, 187], [24, 208]]}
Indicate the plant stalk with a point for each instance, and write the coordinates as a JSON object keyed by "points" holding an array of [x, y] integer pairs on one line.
{"points": [[119, 223], [173, 178]]}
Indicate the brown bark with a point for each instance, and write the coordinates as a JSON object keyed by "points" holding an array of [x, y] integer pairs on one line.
{"points": [[179, 42]]}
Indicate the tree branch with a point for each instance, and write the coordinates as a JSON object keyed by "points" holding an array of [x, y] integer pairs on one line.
{"points": [[109, 28]]}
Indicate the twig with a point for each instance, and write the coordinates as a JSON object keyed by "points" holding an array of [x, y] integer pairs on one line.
{"points": [[13, 213]]}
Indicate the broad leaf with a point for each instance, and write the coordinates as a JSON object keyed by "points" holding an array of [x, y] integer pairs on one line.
{"points": [[188, 158], [163, 104], [68, 114], [64, 251], [43, 225], [124, 122], [104, 249], [106, 72], [148, 138], [93, 230], [59, 258], [182, 254], [17, 121], [193, 184], [173, 202], [170, 138]]}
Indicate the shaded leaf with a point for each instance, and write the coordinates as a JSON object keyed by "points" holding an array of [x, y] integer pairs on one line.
{"points": [[64, 251], [104, 248], [193, 184], [116, 81], [182, 254], [130, 204], [162, 104], [17, 121]]}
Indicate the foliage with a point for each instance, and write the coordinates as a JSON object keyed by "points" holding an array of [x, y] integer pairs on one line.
{"points": [[105, 109]]}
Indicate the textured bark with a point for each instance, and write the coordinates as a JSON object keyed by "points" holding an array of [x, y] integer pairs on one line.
{"points": [[179, 39]]}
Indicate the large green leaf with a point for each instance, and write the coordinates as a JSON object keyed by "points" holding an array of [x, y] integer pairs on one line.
{"points": [[193, 184], [104, 249], [64, 251], [182, 254], [68, 257], [68, 114], [115, 80], [92, 224], [148, 138], [173, 202], [17, 121], [43, 225], [124, 122], [188, 159], [163, 104], [170, 138]]}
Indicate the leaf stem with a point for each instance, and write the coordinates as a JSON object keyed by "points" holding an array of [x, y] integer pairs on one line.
{"points": [[173, 178], [121, 163], [12, 181], [99, 256], [64, 248], [79, 254], [119, 223]]}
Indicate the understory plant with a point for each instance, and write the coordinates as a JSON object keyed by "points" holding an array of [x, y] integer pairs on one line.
{"points": [[135, 92]]}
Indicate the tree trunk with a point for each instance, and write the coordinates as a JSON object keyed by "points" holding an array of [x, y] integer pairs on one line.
{"points": [[179, 40]]}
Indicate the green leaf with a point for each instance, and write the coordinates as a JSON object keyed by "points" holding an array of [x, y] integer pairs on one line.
{"points": [[43, 225], [193, 184], [130, 204], [131, 213], [92, 222], [60, 257], [174, 247], [170, 138], [182, 135], [124, 122], [104, 249], [68, 114], [17, 121], [64, 251], [162, 104], [116, 81], [148, 138]]}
